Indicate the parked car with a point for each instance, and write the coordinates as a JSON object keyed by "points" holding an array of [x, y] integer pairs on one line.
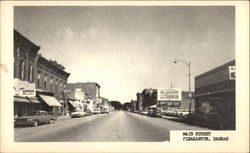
{"points": [[96, 112], [104, 110], [77, 114], [184, 113], [154, 112], [34, 118], [169, 112], [144, 112]]}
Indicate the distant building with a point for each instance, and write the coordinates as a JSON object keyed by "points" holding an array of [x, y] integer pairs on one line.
{"points": [[139, 102], [92, 92], [215, 96], [76, 100], [92, 89], [149, 98], [133, 102]]}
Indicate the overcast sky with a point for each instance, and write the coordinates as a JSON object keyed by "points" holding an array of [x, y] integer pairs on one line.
{"points": [[127, 49]]}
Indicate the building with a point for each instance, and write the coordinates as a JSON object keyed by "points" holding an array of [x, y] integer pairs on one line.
{"points": [[32, 81], [215, 96], [139, 102], [51, 80], [92, 93], [25, 53], [149, 98], [76, 100]]}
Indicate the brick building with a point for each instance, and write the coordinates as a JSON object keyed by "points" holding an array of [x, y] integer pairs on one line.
{"points": [[91, 90], [215, 96], [25, 53], [31, 78], [51, 80]]}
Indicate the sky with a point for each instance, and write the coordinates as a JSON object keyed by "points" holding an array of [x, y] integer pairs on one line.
{"points": [[126, 49]]}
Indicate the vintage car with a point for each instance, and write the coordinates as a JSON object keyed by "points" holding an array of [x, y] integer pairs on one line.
{"points": [[154, 112], [104, 110], [77, 114], [184, 113], [96, 112], [34, 118]]}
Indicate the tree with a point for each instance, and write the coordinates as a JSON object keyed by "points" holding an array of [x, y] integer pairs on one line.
{"points": [[116, 104], [127, 105]]}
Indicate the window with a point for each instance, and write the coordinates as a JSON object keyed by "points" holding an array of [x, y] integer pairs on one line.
{"points": [[21, 69], [60, 86], [51, 83], [30, 72], [45, 81], [38, 78], [56, 86]]}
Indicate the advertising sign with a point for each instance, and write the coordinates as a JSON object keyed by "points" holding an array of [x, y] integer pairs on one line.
{"points": [[231, 72], [169, 95], [24, 88]]}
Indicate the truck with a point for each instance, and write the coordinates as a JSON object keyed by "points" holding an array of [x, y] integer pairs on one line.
{"points": [[34, 118]]}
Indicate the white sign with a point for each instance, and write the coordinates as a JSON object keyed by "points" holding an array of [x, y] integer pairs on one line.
{"points": [[24, 88], [231, 72], [169, 95]]}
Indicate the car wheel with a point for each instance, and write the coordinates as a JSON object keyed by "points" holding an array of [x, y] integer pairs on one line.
{"points": [[35, 123], [51, 121]]}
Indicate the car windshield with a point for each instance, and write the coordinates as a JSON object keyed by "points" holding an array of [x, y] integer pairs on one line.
{"points": [[33, 113]]}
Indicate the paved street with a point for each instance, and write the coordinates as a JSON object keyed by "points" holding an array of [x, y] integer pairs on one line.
{"points": [[116, 126]]}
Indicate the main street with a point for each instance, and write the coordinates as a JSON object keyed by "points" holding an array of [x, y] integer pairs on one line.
{"points": [[116, 126]]}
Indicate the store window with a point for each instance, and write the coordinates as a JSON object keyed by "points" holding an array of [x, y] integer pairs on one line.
{"points": [[51, 83], [56, 86]]}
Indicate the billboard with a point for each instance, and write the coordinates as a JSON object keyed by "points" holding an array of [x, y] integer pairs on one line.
{"points": [[169, 95]]}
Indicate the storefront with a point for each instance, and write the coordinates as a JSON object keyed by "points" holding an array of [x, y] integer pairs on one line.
{"points": [[215, 96], [24, 98], [50, 104]]}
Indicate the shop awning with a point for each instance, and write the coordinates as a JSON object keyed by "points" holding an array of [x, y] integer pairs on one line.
{"points": [[21, 99], [51, 101], [153, 106], [34, 100], [74, 103]]}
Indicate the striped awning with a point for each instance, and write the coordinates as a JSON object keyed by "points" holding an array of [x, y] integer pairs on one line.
{"points": [[51, 101]]}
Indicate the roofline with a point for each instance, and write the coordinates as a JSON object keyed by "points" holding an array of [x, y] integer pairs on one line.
{"points": [[214, 69], [26, 39]]}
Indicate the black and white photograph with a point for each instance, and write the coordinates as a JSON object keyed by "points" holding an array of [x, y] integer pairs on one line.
{"points": [[125, 73]]}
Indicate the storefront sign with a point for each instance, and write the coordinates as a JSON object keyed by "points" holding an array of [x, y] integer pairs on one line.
{"points": [[231, 72], [24, 88], [28, 93], [169, 95]]}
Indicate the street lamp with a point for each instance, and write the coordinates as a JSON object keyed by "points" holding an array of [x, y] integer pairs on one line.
{"points": [[189, 82]]}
